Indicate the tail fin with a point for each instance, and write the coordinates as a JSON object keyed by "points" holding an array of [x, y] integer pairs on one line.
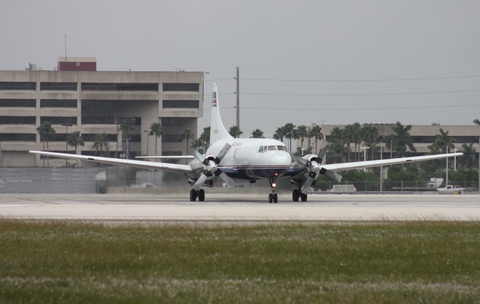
{"points": [[217, 129]]}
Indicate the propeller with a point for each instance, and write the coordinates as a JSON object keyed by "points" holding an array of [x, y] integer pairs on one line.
{"points": [[210, 167], [313, 165]]}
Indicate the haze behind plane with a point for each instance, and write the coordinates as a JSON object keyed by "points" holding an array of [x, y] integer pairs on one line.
{"points": [[248, 159]]}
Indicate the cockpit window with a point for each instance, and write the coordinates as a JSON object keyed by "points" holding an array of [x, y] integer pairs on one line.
{"points": [[281, 148], [260, 150], [272, 148]]}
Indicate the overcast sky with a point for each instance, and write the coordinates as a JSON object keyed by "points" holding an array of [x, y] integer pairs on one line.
{"points": [[305, 62]]}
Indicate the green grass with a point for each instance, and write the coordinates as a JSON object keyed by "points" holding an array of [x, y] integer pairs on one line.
{"points": [[414, 262]]}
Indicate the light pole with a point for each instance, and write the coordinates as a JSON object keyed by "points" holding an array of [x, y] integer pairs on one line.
{"points": [[365, 148], [391, 148], [446, 170], [381, 167], [147, 131], [455, 160], [66, 141]]}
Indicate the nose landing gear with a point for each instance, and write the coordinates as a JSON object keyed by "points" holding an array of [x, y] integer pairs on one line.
{"points": [[273, 197]]}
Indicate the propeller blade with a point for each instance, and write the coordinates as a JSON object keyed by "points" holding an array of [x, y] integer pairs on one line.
{"points": [[200, 181], [198, 155], [333, 176], [224, 177], [300, 160], [307, 185], [322, 151], [222, 153]]}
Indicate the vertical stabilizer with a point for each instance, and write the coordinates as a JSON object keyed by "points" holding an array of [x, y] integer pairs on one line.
{"points": [[217, 129]]}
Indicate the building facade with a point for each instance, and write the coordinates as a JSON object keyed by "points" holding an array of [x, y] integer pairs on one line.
{"points": [[422, 136], [95, 102]]}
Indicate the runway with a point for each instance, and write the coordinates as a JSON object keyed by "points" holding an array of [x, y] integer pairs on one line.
{"points": [[225, 207]]}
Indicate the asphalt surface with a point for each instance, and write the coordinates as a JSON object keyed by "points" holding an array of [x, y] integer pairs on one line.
{"points": [[236, 207]]}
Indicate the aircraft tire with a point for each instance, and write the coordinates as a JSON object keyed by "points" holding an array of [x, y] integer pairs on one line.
{"points": [[270, 198], [295, 195], [201, 195], [303, 197], [193, 195], [275, 198]]}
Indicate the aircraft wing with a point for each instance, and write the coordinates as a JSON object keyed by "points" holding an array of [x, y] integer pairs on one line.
{"points": [[167, 157], [117, 161], [384, 162]]}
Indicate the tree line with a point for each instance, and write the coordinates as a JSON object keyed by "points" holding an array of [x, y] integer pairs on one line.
{"points": [[341, 140]]}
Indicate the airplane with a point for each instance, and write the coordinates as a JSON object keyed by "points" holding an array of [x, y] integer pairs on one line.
{"points": [[248, 159]]}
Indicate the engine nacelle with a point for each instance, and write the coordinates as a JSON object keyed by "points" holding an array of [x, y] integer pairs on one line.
{"points": [[310, 158]]}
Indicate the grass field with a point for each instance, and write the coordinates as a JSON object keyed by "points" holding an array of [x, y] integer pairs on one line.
{"points": [[414, 262]]}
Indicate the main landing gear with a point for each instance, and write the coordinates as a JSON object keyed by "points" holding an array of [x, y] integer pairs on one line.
{"points": [[273, 197], [194, 194], [297, 192]]}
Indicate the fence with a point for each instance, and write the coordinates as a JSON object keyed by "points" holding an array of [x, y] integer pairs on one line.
{"points": [[48, 180], [394, 185]]}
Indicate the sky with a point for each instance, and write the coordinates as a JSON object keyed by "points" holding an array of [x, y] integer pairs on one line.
{"points": [[303, 62]]}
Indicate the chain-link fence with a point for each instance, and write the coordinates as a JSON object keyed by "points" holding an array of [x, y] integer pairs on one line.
{"points": [[373, 186], [48, 180]]}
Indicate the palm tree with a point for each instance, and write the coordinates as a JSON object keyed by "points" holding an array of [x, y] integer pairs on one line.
{"points": [[205, 137], [45, 130], [301, 133], [257, 133], [288, 130], [469, 158], [337, 152], [477, 122], [315, 132], [235, 131], [357, 137], [100, 143], [126, 127], [75, 139], [348, 137], [186, 135], [370, 136], [443, 142], [198, 145], [336, 133], [279, 134], [401, 139], [156, 129]]}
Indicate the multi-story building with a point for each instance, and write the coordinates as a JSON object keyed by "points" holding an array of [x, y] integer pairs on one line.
{"points": [[76, 97]]}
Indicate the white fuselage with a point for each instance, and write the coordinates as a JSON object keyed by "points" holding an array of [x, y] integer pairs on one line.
{"points": [[252, 158]]}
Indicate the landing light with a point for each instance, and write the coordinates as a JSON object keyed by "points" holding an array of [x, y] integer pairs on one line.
{"points": [[274, 185]]}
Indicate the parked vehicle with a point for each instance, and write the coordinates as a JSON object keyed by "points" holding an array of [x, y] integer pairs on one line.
{"points": [[451, 189]]}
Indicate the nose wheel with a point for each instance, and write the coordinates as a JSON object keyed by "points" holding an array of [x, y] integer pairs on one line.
{"points": [[273, 197]]}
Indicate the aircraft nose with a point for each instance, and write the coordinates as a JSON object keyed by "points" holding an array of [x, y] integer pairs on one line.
{"points": [[281, 159]]}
